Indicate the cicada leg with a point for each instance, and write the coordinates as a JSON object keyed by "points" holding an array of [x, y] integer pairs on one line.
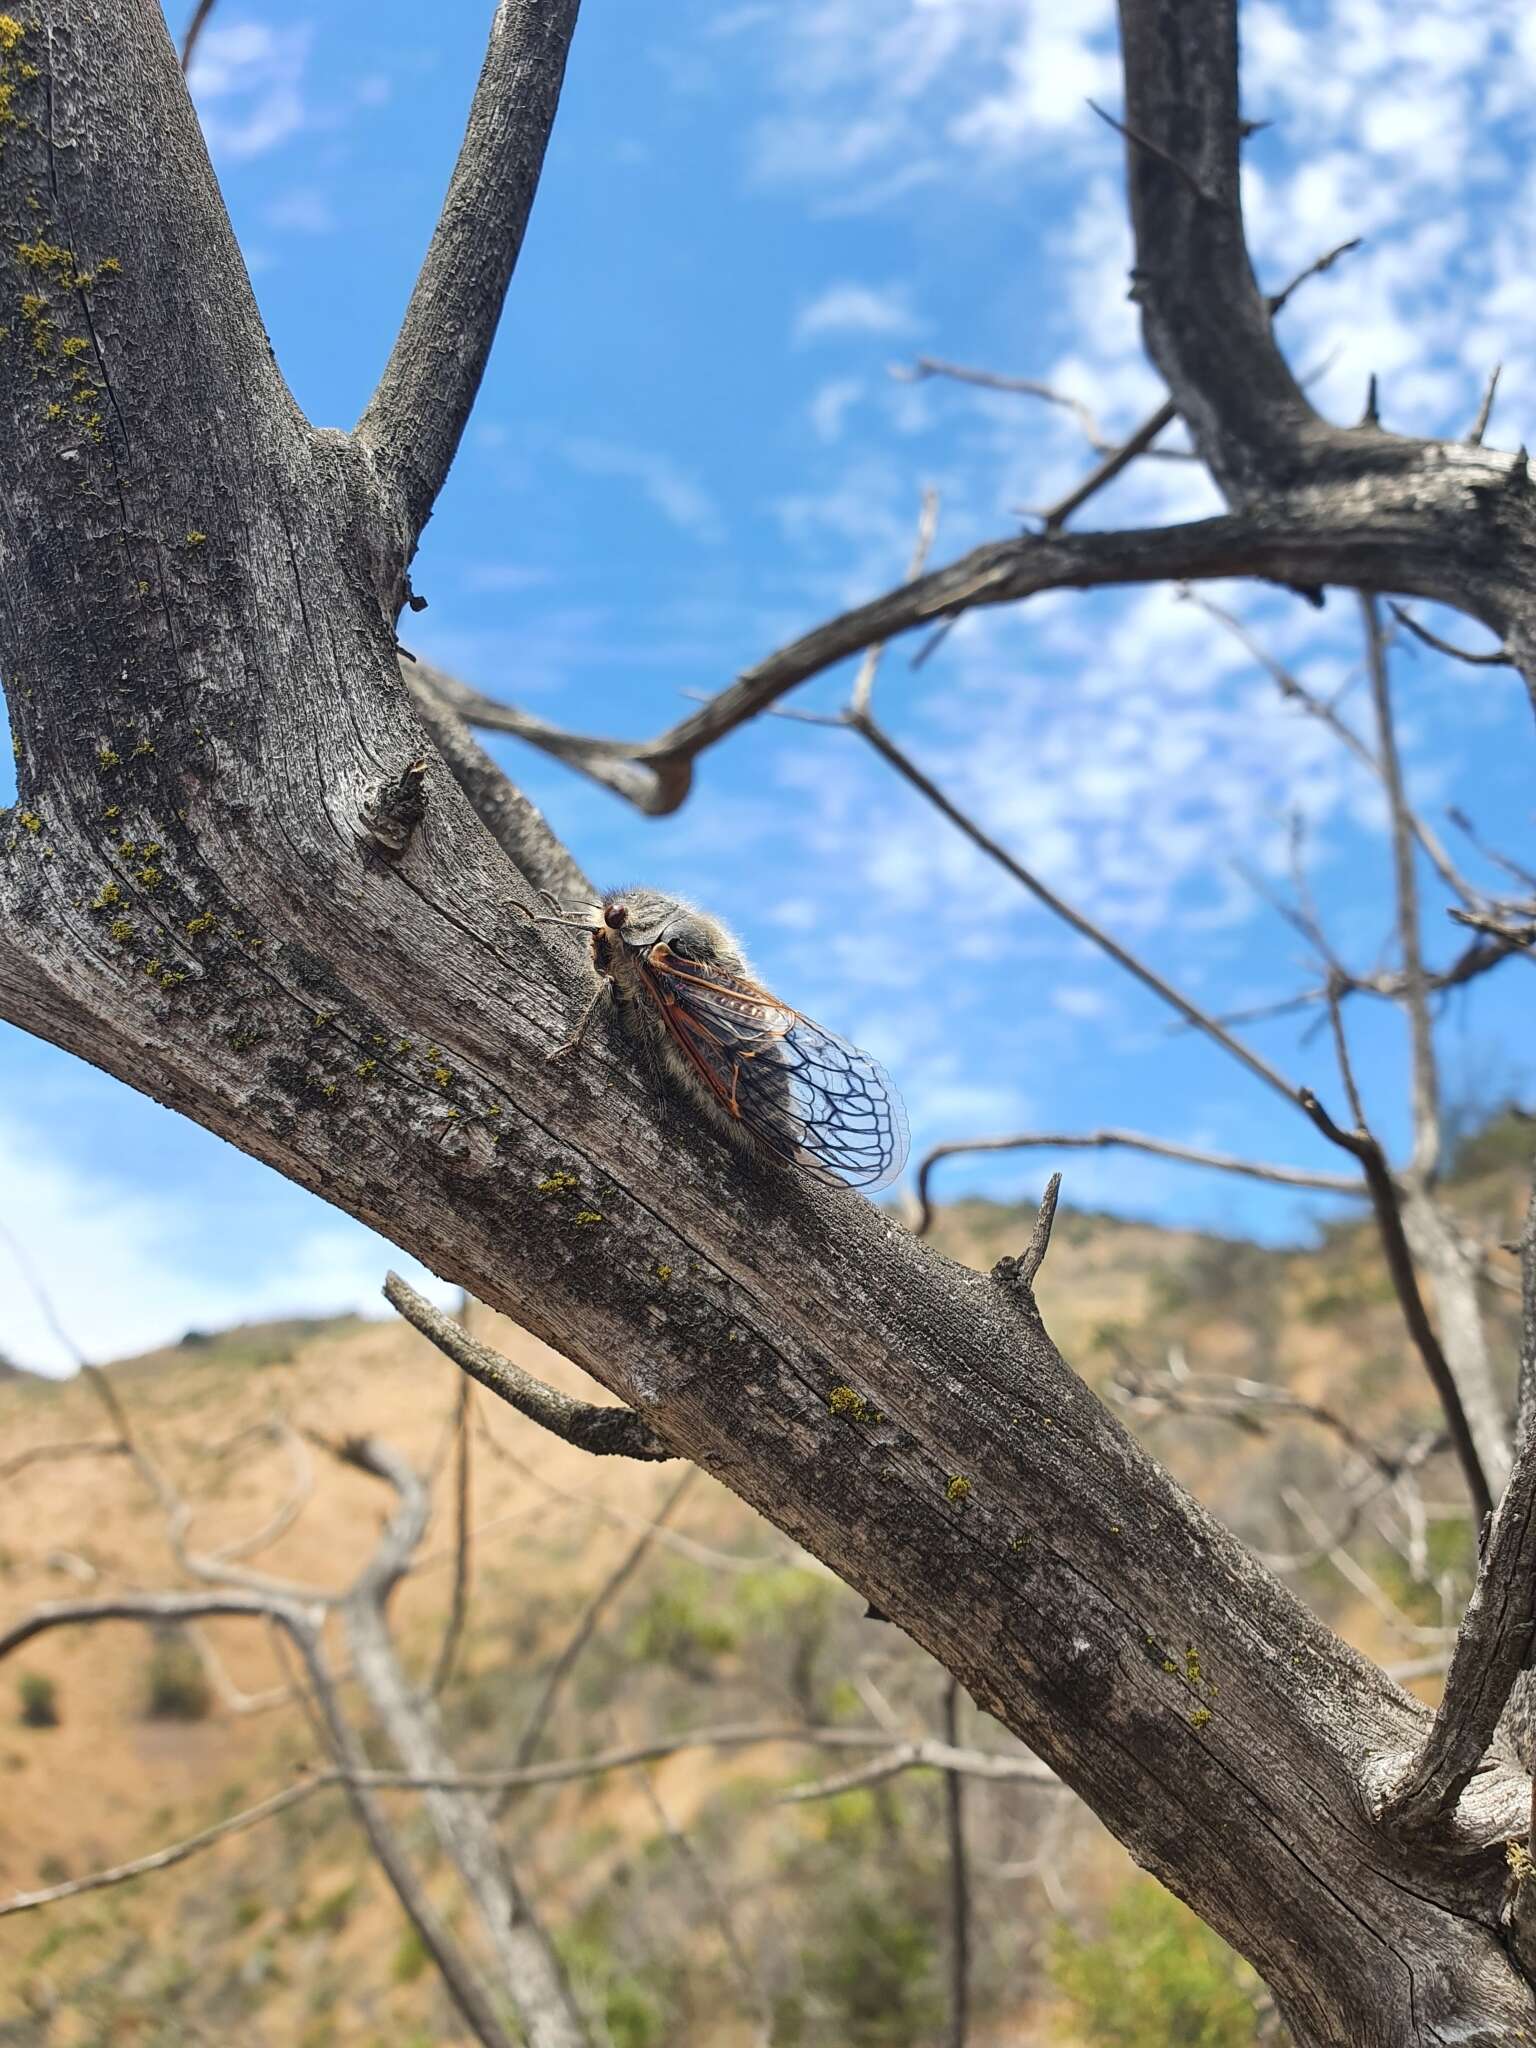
{"points": [[603, 988]]}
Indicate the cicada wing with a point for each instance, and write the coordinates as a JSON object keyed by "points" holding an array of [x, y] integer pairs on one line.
{"points": [[810, 1097]]}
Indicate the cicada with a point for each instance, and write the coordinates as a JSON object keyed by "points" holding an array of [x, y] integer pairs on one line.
{"points": [[776, 1082]]}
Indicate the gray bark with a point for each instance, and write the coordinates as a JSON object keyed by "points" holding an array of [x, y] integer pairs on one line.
{"points": [[196, 630]]}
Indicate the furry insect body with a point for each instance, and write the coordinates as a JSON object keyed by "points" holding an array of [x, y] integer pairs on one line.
{"points": [[775, 1081]]}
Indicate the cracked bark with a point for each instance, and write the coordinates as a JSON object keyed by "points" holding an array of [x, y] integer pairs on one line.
{"points": [[196, 632]]}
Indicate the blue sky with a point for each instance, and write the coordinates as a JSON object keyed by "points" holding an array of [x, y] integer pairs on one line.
{"points": [[690, 447]]}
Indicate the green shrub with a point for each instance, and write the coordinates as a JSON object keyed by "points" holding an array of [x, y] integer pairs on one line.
{"points": [[1157, 1975], [39, 1700], [676, 1628], [876, 1964], [177, 1688]]}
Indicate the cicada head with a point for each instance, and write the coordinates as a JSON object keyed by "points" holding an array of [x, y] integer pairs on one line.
{"points": [[631, 922]]}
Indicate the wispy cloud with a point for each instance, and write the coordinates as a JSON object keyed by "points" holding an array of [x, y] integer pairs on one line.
{"points": [[855, 309], [247, 80], [678, 496], [126, 1269]]}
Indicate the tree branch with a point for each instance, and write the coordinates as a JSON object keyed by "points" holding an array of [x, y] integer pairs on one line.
{"points": [[1135, 1141], [411, 426], [1494, 1641], [604, 1432]]}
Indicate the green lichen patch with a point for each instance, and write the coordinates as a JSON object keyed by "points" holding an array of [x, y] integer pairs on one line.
{"points": [[149, 877], [958, 1491], [365, 1069], [12, 33], [108, 897], [29, 821], [849, 1403], [199, 927], [108, 758], [196, 538], [1199, 1717], [589, 1216], [559, 1183], [120, 931]]}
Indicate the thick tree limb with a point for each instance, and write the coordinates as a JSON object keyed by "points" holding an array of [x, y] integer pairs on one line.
{"points": [[1336, 534], [411, 426]]}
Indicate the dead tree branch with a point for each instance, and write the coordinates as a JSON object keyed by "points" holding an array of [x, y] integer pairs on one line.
{"points": [[603, 1432]]}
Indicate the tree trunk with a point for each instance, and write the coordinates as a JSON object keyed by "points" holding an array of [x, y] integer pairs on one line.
{"points": [[197, 641]]}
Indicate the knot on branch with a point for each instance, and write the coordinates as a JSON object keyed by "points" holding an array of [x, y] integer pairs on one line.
{"points": [[392, 809]]}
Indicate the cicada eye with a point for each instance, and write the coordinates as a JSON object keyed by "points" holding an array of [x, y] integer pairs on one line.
{"points": [[616, 916]]}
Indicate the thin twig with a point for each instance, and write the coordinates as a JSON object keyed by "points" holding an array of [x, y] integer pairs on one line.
{"points": [[1384, 1201], [1138, 442], [927, 527], [458, 1613], [1165, 991], [592, 1613], [1494, 1641], [1425, 1081], [1296, 692], [959, 1880], [194, 30], [1499, 658], [1135, 1141], [1155, 149], [1479, 426]]}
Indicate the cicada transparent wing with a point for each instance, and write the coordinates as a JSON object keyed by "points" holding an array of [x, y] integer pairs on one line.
{"points": [[808, 1096]]}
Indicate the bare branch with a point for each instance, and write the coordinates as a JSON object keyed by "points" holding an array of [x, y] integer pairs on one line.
{"points": [[79, 1447], [1135, 1141], [605, 1432], [1526, 1412], [1384, 1201], [174, 1852], [194, 30], [1494, 1641], [458, 1612], [592, 1613], [1138, 442], [1165, 991], [927, 1755], [959, 1874], [1464, 824], [1426, 1084], [1018, 1275], [1499, 658], [927, 527], [528, 1968], [411, 426], [1205, 323], [1297, 693], [719, 1911], [1304, 545], [1479, 426]]}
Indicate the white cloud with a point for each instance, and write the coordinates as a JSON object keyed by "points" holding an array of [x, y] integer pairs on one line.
{"points": [[831, 405], [676, 495], [504, 576], [125, 1269], [246, 79], [854, 309], [303, 211]]}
